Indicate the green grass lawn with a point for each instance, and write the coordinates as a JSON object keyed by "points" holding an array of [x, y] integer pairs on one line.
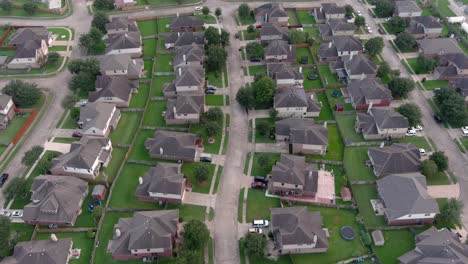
{"points": [[218, 179], [335, 145], [139, 99], [257, 69], [139, 151], [420, 142], [250, 36], [363, 193], [148, 67], [246, 21], [62, 33], [354, 161], [326, 112], [212, 99], [397, 243], [85, 219], [209, 19], [154, 116], [240, 206], [126, 128], [215, 78], [465, 142], [258, 205], [259, 171], [311, 84], [80, 240], [21, 231], [327, 75], [300, 52], [293, 19], [246, 163], [413, 63], [432, 84], [163, 24], [118, 155], [305, 17], [200, 129], [158, 84], [14, 126], [443, 7], [340, 99], [57, 48], [20, 12], [346, 124], [164, 63], [149, 47], [148, 27], [340, 177], [201, 187], [264, 138]]}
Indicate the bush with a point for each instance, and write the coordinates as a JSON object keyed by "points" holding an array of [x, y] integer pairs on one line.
{"points": [[429, 168], [440, 160], [69, 101], [19, 188], [30, 8], [75, 113], [255, 245], [24, 94], [103, 4], [212, 128], [196, 235], [201, 172], [263, 161], [412, 112], [53, 57], [365, 238], [263, 128], [214, 114], [32, 155]]}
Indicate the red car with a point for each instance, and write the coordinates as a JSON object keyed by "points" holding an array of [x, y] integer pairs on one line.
{"points": [[258, 26], [258, 185]]}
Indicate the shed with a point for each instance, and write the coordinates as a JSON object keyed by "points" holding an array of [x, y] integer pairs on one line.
{"points": [[99, 192], [346, 194], [339, 107], [378, 238]]}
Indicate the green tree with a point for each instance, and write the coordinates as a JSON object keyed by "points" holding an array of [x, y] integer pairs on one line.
{"points": [[244, 11], [263, 128], [201, 172], [44, 165], [245, 97], [360, 21], [348, 10], [263, 161], [216, 58], [451, 106], [374, 46], [187, 256], [298, 37], [6, 5], [401, 87], [440, 160], [405, 42], [30, 8], [53, 57], [69, 101], [384, 70], [397, 24], [218, 12], [24, 94], [205, 10], [87, 65], [425, 63], [212, 36], [97, 213], [83, 82], [254, 50], [450, 214], [429, 168], [224, 38], [103, 4], [250, 29], [196, 235], [365, 238], [383, 8], [214, 114], [264, 91], [92, 41], [212, 128], [255, 245], [5, 234], [99, 21], [32, 155], [19, 188], [412, 112]]}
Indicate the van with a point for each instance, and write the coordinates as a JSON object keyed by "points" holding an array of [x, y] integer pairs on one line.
{"points": [[260, 223]]}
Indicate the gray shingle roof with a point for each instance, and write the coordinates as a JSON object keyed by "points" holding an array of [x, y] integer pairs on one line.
{"points": [[340, 25], [425, 21], [189, 76], [394, 159], [405, 194], [269, 29], [368, 89], [165, 178], [127, 40], [271, 10], [407, 6], [460, 85], [459, 60], [186, 21], [439, 46], [359, 64], [172, 145], [388, 118], [327, 50], [95, 115], [119, 62], [294, 97], [4, 100], [294, 170], [27, 49], [113, 86], [41, 252], [23, 35], [280, 48], [188, 53], [185, 104], [332, 9], [184, 38], [302, 131], [281, 71], [121, 23], [347, 43]]}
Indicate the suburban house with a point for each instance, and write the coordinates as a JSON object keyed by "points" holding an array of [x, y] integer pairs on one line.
{"points": [[285, 75], [121, 24], [328, 11], [98, 119], [123, 37], [437, 47], [56, 200], [336, 27], [302, 135], [148, 234], [294, 101], [354, 67], [460, 85], [438, 246], [272, 13], [270, 32], [190, 80], [172, 145], [164, 183], [85, 159], [395, 159], [32, 47], [119, 4], [185, 109], [41, 251], [367, 92], [186, 23], [7, 110], [451, 66], [407, 8], [296, 230], [176, 39], [424, 27], [279, 51], [116, 90], [382, 122], [405, 199], [122, 65], [188, 55], [339, 46]]}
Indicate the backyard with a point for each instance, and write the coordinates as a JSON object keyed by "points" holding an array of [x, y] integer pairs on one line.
{"points": [[154, 114], [354, 161], [163, 63], [335, 145], [118, 155], [158, 84], [335, 96], [305, 17], [149, 47], [363, 193], [125, 131], [310, 83], [397, 243], [148, 27], [139, 99], [327, 75], [139, 151], [303, 52], [346, 124]]}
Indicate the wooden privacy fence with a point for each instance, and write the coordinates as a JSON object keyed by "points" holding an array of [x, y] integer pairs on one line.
{"points": [[26, 125]]}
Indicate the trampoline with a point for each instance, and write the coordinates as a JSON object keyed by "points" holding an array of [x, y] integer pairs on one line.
{"points": [[312, 76], [93, 203], [347, 233]]}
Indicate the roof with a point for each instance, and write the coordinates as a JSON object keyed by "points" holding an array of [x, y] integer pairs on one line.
{"points": [[25, 34], [172, 145], [55, 199], [396, 158], [27, 49], [184, 38], [95, 115], [460, 60], [460, 84], [4, 100], [126, 40], [426, 21], [439, 46], [281, 71], [118, 62], [280, 47], [188, 53], [294, 97], [40, 252], [297, 226], [302, 131], [113, 86], [359, 64], [164, 178], [347, 43], [147, 229], [332, 8], [271, 10], [436, 246], [340, 25], [121, 24], [269, 29], [185, 104], [186, 21], [407, 7], [294, 170], [388, 118], [405, 194], [327, 50], [368, 89], [189, 76]]}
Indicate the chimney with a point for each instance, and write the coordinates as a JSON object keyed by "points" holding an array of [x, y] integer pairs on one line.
{"points": [[134, 62], [184, 58], [300, 69], [53, 237], [325, 124], [178, 34], [177, 14], [330, 44], [382, 144], [363, 76], [117, 232], [126, 35], [140, 180], [180, 71], [161, 151]]}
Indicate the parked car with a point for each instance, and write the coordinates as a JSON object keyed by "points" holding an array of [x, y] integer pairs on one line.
{"points": [[258, 26], [256, 230], [198, 8], [83, 102], [381, 31], [410, 133], [260, 223], [258, 185], [422, 152], [211, 87], [417, 128], [3, 179], [77, 134], [255, 59], [5, 213], [206, 158], [369, 30], [437, 118], [358, 12], [207, 91], [17, 214]]}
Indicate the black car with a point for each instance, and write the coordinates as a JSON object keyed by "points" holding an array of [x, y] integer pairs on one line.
{"points": [[3, 179], [437, 118], [260, 179], [255, 59], [205, 159], [208, 91]]}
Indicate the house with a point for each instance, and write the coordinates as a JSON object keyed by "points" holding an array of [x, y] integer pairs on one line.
{"points": [[328, 11], [56, 200], [85, 159], [32, 47], [279, 51], [405, 199], [270, 32], [171, 145], [272, 13], [382, 122], [124, 43], [190, 80], [176, 39], [25, 34], [7, 110], [437, 47], [354, 67], [41, 251], [147, 234], [284, 74], [52, 4], [98, 119], [120, 4], [297, 230], [164, 183], [407, 8], [121, 24], [394, 159], [185, 109], [295, 102], [116, 90], [436, 246], [451, 66], [122, 65], [302, 135], [336, 27], [188, 55], [338, 47], [460, 85], [186, 23], [424, 27], [366, 92]]}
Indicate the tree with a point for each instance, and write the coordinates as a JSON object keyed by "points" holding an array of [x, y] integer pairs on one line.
{"points": [[87, 65], [383, 8], [103, 4], [24, 94], [75, 113], [212, 128], [6, 5], [440, 160], [263, 128], [401, 87], [99, 21], [218, 12], [92, 41], [360, 21], [451, 212], [201, 172], [374, 46], [224, 38], [264, 91], [196, 235], [30, 8], [255, 245], [348, 11], [32, 155], [214, 114], [244, 11], [84, 74], [97, 212], [53, 57], [425, 63], [254, 50], [384, 70], [245, 97], [412, 112], [263, 161], [298, 37], [187, 256], [365, 238], [451, 106], [429, 168], [405, 41], [69, 101], [212, 36], [5, 234], [250, 29], [216, 58], [44, 164], [19, 188], [205, 10], [397, 24]]}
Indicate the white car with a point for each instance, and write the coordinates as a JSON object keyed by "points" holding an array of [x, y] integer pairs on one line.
{"points": [[198, 8], [5, 213], [417, 128], [17, 214], [465, 128], [369, 30], [83, 102], [410, 133], [464, 131], [260, 223], [256, 230], [422, 152], [387, 19], [358, 12]]}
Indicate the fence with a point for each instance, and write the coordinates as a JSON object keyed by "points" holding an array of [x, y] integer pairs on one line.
{"points": [[329, 162], [132, 110], [180, 129], [5, 35], [142, 162], [25, 126]]}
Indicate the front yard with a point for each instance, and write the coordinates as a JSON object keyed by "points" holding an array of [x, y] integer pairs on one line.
{"points": [[433, 84], [354, 161], [200, 129], [305, 17], [363, 193], [201, 187], [258, 170], [264, 138], [258, 205], [257, 70], [413, 63], [214, 100], [215, 78]]}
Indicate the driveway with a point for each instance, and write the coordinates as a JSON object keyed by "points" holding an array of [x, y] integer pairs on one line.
{"points": [[271, 147], [444, 191]]}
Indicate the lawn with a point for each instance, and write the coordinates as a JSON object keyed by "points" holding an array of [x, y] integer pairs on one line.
{"points": [[305, 17], [148, 67], [158, 84], [264, 138], [293, 19], [240, 205], [250, 36], [149, 47], [212, 99], [163, 24], [443, 7], [413, 63], [21, 231], [335, 145], [311, 84], [340, 177], [338, 99], [346, 125], [246, 21], [118, 155], [326, 112], [465, 142], [164, 63], [259, 171], [201, 187], [139, 99], [432, 84], [363, 193], [58, 48], [80, 240], [397, 243], [327, 75], [200, 129], [139, 151], [218, 179], [125, 131], [85, 219], [300, 52], [62, 33], [14, 126], [420, 142], [354, 161], [215, 78], [154, 114], [148, 27], [246, 163], [258, 205], [257, 69], [209, 19]]}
